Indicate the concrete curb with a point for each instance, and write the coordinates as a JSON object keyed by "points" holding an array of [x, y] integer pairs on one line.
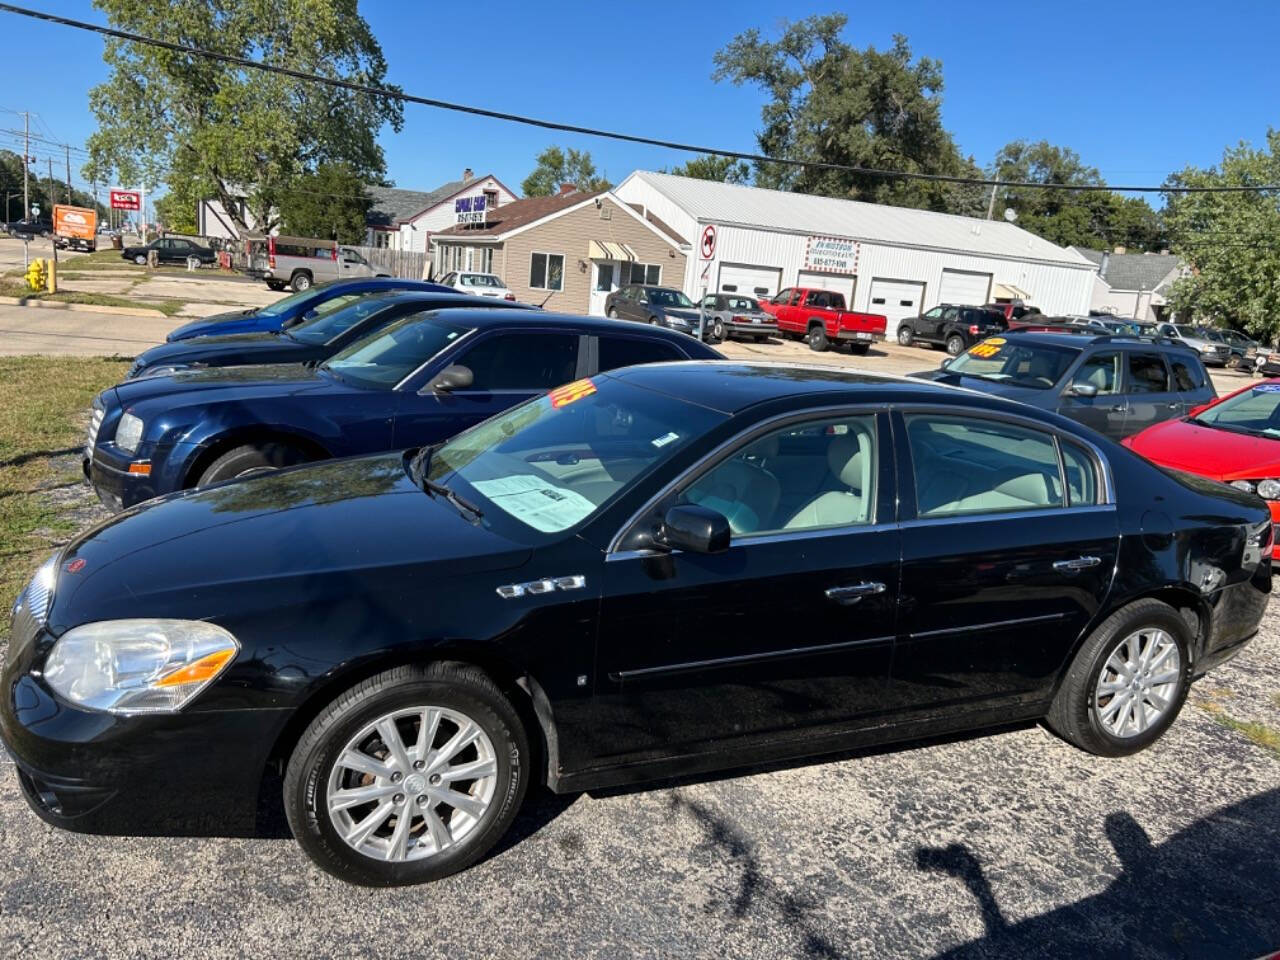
{"points": [[83, 307]]}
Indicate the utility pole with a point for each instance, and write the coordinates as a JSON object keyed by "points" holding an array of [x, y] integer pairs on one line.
{"points": [[67, 148], [26, 159], [991, 206]]}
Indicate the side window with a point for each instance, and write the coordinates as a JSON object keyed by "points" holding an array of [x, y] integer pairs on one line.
{"points": [[1083, 488], [837, 301], [795, 298], [1187, 374], [934, 314], [627, 351], [1102, 370], [522, 361], [950, 314], [806, 476], [966, 465], [1147, 373], [784, 296]]}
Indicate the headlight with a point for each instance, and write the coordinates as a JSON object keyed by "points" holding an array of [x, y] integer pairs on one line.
{"points": [[1245, 485], [1269, 489], [138, 666], [129, 433], [1208, 348]]}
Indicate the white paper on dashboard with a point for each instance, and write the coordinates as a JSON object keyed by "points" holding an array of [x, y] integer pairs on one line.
{"points": [[534, 501]]}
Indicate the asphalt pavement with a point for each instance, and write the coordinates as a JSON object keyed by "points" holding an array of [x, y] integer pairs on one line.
{"points": [[1008, 844]]}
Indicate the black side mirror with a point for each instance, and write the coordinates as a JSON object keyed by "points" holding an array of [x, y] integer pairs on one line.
{"points": [[946, 362], [1084, 390], [695, 529], [453, 377]]}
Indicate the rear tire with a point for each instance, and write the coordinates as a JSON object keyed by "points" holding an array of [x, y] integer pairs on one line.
{"points": [[1084, 715], [859, 349], [275, 285], [250, 459], [905, 336], [300, 281], [613, 314], [461, 694], [955, 345], [140, 260], [818, 341]]}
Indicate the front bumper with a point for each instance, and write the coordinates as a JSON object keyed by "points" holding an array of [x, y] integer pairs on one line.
{"points": [[185, 774], [108, 471], [769, 326]]}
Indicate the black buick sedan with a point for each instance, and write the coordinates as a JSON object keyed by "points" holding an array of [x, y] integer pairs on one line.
{"points": [[660, 570]]}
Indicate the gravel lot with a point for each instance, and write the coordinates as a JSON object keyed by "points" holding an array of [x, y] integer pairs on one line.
{"points": [[1011, 844]]}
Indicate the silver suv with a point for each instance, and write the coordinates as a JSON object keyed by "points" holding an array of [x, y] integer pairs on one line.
{"points": [[1213, 353]]}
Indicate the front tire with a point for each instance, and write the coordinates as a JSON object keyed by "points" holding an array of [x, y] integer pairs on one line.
{"points": [[818, 341], [249, 459], [408, 777], [140, 260], [905, 336], [613, 314], [717, 330], [1127, 683]]}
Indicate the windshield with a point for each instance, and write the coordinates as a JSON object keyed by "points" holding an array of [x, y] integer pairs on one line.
{"points": [[1213, 335], [479, 280], [312, 296], [553, 462], [668, 298], [1018, 364], [1254, 411], [332, 323], [384, 359], [1187, 330]]}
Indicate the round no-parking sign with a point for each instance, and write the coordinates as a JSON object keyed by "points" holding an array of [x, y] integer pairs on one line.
{"points": [[708, 241]]}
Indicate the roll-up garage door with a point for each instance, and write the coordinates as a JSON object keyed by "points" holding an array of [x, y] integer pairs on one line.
{"points": [[964, 287], [842, 282], [749, 280], [896, 299]]}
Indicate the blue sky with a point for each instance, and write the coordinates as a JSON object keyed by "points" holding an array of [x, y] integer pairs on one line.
{"points": [[1137, 88]]}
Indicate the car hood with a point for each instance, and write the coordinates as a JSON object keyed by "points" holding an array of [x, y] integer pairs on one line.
{"points": [[214, 325], [1208, 451], [681, 312], [357, 518], [246, 345], [1008, 391], [242, 381]]}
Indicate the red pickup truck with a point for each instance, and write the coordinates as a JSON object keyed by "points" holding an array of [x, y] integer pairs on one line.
{"points": [[820, 317]]}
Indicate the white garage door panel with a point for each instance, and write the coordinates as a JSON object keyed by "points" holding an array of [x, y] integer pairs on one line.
{"points": [[749, 280], [842, 282], [896, 299], [965, 288]]}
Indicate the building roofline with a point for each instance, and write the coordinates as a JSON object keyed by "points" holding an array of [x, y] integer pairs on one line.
{"points": [[448, 197]]}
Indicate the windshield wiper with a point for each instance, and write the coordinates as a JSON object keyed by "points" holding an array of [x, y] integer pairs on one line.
{"points": [[418, 471]]}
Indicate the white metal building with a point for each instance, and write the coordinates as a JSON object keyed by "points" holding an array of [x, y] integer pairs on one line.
{"points": [[891, 260]]}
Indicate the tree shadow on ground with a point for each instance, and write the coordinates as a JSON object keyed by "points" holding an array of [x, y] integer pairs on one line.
{"points": [[1211, 890]]}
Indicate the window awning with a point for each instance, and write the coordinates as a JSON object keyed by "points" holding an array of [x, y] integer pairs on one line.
{"points": [[1007, 291], [608, 250]]}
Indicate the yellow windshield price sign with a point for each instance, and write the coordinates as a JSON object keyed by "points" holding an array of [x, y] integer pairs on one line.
{"points": [[563, 396]]}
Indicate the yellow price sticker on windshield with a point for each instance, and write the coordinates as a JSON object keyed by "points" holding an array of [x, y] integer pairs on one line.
{"points": [[563, 396], [984, 350]]}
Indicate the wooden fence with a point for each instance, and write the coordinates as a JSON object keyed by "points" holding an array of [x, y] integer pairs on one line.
{"points": [[407, 264]]}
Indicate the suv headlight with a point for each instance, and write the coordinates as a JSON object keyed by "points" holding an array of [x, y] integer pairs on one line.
{"points": [[129, 433], [138, 666]]}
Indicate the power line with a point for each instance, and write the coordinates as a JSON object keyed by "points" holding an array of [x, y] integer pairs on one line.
{"points": [[386, 93]]}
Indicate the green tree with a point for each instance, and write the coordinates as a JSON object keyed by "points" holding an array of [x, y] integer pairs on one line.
{"points": [[828, 102], [1230, 241], [1083, 218], [555, 167], [210, 129], [331, 203], [711, 167]]}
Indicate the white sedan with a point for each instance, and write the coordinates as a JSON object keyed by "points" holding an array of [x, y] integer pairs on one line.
{"points": [[478, 284]]}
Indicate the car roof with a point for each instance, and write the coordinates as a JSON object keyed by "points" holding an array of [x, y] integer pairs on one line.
{"points": [[483, 318], [732, 386], [1086, 337]]}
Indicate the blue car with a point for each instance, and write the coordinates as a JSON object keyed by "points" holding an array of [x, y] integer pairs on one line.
{"points": [[299, 306], [424, 378], [309, 341]]}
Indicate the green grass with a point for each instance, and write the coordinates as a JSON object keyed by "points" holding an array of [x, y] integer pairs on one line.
{"points": [[1259, 733], [42, 405], [12, 288]]}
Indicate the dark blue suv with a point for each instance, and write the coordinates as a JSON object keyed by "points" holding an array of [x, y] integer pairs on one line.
{"points": [[300, 306], [1117, 385], [420, 380]]}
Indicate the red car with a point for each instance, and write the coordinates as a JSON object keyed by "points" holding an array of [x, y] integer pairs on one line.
{"points": [[1235, 439]]}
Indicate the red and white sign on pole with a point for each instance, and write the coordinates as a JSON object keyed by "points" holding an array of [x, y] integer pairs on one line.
{"points": [[708, 244], [126, 199]]}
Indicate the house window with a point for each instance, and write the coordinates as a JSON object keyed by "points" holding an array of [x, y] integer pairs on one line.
{"points": [[488, 260], [546, 271], [490, 199], [647, 273]]}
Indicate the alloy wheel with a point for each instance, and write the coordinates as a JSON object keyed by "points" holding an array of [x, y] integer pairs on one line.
{"points": [[412, 783], [1138, 684]]}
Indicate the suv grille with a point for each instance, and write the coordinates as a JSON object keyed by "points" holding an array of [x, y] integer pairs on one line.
{"points": [[95, 424]]}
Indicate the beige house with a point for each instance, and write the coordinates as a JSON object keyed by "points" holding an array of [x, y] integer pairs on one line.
{"points": [[566, 252]]}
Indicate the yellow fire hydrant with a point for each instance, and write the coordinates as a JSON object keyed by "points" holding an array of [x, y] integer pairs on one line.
{"points": [[36, 275]]}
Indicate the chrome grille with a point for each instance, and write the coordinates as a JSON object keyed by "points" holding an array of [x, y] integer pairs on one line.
{"points": [[95, 424]]}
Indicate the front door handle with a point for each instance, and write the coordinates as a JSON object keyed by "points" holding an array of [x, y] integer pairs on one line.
{"points": [[1118, 408], [1079, 563], [854, 592]]}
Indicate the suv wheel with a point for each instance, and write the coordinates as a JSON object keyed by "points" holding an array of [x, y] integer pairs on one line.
{"points": [[818, 338], [905, 336], [955, 345], [410, 776]]}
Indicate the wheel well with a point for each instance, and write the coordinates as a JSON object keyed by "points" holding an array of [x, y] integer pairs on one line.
{"points": [[298, 271], [255, 435], [1192, 611], [523, 691], [817, 322]]}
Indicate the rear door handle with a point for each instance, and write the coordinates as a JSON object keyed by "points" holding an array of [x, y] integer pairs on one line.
{"points": [[1079, 563], [854, 592]]}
